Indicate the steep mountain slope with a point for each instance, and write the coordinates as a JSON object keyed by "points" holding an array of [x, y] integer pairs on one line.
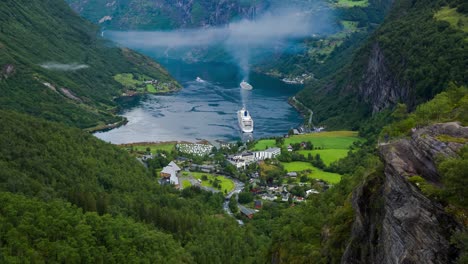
{"points": [[55, 231], [165, 14], [47, 161], [53, 64], [324, 55], [403, 202], [409, 59], [395, 222]]}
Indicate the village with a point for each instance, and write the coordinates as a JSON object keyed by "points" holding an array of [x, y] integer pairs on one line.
{"points": [[285, 170]]}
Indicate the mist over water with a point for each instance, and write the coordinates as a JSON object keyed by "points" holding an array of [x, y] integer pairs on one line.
{"points": [[274, 31], [207, 110]]}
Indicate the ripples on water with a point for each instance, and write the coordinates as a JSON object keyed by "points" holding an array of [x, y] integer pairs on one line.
{"points": [[207, 110]]}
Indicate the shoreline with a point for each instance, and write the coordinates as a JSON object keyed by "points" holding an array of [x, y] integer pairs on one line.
{"points": [[103, 128], [124, 121]]}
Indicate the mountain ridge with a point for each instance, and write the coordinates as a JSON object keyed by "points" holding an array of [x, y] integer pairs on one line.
{"points": [[409, 59], [55, 65]]}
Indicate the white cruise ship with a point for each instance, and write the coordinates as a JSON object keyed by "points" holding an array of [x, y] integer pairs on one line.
{"points": [[245, 85], [245, 121]]}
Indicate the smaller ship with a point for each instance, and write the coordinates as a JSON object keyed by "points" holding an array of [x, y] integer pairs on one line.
{"points": [[245, 85], [245, 120], [200, 80]]}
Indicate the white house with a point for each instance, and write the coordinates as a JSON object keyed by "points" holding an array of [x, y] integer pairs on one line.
{"points": [[267, 153], [170, 172], [311, 191], [239, 163]]}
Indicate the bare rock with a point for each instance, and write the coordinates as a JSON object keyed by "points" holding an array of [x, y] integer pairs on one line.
{"points": [[379, 87], [7, 71], [394, 221]]}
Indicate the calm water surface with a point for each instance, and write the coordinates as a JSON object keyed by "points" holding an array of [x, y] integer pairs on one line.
{"points": [[206, 110]]}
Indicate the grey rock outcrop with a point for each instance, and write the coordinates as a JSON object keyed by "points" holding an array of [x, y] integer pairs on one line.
{"points": [[379, 86], [394, 221], [7, 71]]}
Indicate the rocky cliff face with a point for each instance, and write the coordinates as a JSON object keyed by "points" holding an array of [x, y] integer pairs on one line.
{"points": [[379, 87], [395, 222]]}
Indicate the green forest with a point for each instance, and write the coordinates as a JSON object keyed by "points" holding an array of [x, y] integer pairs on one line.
{"points": [[68, 197], [35, 33], [421, 56], [49, 172]]}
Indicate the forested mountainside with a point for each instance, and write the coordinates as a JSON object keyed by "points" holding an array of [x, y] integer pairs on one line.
{"points": [[403, 202], [53, 64], [68, 197], [412, 56], [118, 211], [353, 21], [165, 14], [103, 204]]}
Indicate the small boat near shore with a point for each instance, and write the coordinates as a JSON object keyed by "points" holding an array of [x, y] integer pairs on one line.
{"points": [[200, 80]]}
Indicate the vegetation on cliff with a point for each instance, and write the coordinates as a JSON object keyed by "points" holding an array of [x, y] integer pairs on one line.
{"points": [[164, 14], [54, 65], [49, 162], [412, 57]]}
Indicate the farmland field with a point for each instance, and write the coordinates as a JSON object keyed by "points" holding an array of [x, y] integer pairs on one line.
{"points": [[326, 140], [141, 147], [226, 184], [264, 144], [327, 155], [316, 173], [332, 146]]}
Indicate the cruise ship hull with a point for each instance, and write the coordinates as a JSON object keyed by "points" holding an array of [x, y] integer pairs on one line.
{"points": [[246, 123]]}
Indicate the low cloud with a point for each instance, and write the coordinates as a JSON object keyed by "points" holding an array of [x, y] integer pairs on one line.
{"points": [[55, 66], [273, 31]]}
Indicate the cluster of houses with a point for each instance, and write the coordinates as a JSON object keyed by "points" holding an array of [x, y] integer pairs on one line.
{"points": [[281, 193], [241, 160], [298, 79], [195, 149], [154, 82], [304, 130]]}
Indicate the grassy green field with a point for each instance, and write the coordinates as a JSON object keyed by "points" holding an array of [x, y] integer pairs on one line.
{"points": [[351, 3], [226, 184], [264, 144], [167, 146], [456, 20], [127, 80], [327, 155], [316, 173], [350, 25], [333, 145], [186, 184], [150, 88], [326, 140]]}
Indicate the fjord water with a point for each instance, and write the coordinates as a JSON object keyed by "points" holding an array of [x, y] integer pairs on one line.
{"points": [[206, 110]]}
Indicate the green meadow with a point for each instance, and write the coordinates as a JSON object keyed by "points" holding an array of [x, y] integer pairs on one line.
{"points": [[315, 173], [264, 144], [332, 145], [324, 140], [456, 19], [327, 155], [226, 184], [154, 147]]}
